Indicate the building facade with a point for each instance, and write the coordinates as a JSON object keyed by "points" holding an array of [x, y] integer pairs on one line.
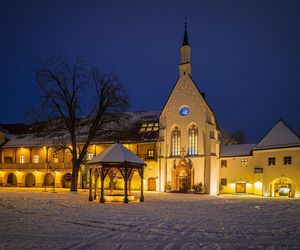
{"points": [[180, 145]]}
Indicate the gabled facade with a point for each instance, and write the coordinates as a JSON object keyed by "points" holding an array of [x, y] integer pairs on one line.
{"points": [[188, 137], [269, 168]]}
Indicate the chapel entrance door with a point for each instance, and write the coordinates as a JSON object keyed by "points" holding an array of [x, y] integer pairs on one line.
{"points": [[183, 183]]}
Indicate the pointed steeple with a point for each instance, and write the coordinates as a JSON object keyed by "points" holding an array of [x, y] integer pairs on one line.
{"points": [[185, 37], [185, 54]]}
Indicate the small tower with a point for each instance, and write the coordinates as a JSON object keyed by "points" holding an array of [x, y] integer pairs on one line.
{"points": [[185, 55]]}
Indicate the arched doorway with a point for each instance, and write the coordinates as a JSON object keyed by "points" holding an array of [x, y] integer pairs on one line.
{"points": [[151, 184], [49, 180], [66, 180], [30, 180], [183, 181], [283, 187], [183, 176], [11, 180]]}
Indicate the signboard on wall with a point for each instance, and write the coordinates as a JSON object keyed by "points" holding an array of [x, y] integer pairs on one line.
{"points": [[258, 170]]}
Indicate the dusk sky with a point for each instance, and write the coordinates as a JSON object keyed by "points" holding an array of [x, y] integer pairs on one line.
{"points": [[245, 54]]}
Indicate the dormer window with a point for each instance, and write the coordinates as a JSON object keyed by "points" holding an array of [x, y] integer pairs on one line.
{"points": [[149, 127]]}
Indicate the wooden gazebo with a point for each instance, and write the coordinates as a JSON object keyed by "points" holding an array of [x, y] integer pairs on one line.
{"points": [[115, 157]]}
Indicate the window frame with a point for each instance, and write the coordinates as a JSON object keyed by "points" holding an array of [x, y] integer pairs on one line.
{"points": [[176, 142], [287, 160], [223, 163], [271, 161], [193, 141]]}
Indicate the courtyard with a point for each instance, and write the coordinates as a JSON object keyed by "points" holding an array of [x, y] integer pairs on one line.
{"points": [[33, 219]]}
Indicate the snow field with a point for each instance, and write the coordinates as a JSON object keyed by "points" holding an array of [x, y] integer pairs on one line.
{"points": [[33, 219]]}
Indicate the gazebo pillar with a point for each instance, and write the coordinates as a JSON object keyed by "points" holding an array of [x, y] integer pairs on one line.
{"points": [[141, 172], [102, 177], [126, 182], [96, 175], [90, 185]]}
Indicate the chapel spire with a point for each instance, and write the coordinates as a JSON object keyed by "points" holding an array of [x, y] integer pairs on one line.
{"points": [[185, 54], [185, 37]]}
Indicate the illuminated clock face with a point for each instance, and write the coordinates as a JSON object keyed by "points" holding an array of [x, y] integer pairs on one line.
{"points": [[184, 111]]}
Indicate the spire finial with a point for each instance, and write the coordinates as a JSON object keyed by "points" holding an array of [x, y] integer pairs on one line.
{"points": [[185, 37]]}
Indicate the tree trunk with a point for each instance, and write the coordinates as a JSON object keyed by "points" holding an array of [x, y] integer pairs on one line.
{"points": [[74, 180]]}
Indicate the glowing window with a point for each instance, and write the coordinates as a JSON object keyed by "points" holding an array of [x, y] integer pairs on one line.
{"points": [[184, 111], [193, 141], [150, 153], [175, 142], [22, 159], [244, 161], [148, 127], [90, 156], [36, 158], [55, 158]]}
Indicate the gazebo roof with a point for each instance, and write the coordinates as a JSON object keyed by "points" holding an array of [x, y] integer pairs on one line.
{"points": [[117, 154]]}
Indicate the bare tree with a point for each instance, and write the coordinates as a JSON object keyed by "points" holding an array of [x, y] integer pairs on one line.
{"points": [[80, 103], [232, 138]]}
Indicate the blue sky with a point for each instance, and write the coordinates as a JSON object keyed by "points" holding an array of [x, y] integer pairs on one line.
{"points": [[245, 54]]}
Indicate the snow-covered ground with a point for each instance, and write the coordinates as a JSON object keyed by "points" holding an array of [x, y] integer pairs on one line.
{"points": [[32, 219]]}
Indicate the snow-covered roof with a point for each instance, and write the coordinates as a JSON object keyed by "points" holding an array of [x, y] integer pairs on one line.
{"points": [[280, 136], [116, 153], [24, 135], [236, 150]]}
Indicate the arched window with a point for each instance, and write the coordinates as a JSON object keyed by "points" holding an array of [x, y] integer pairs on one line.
{"points": [[175, 142], [193, 141]]}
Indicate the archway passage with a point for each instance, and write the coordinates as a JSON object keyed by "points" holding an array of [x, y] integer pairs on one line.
{"points": [[30, 180], [283, 187], [11, 180], [49, 180], [66, 180]]}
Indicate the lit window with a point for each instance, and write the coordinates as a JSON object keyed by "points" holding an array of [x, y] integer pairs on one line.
{"points": [[271, 161], [55, 158], [90, 156], [287, 160], [36, 159], [150, 153], [184, 111], [244, 161], [148, 127], [223, 163], [193, 141], [22, 159], [155, 126], [175, 142]]}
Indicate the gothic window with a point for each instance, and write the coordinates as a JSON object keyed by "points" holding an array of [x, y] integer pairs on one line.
{"points": [[193, 141], [175, 142]]}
